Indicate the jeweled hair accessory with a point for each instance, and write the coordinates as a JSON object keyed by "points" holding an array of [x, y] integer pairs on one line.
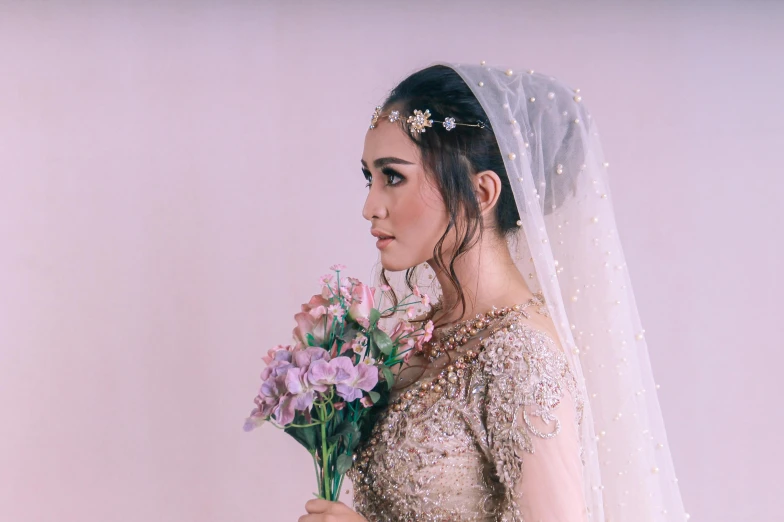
{"points": [[419, 121]]}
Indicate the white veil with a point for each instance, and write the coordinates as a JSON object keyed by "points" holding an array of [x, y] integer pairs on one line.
{"points": [[568, 248]]}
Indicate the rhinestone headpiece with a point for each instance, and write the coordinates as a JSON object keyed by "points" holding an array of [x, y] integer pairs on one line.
{"points": [[419, 121]]}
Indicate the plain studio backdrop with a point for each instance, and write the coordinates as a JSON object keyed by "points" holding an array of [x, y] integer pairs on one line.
{"points": [[174, 178]]}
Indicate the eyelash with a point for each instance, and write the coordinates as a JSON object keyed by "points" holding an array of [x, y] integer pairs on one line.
{"points": [[389, 173]]}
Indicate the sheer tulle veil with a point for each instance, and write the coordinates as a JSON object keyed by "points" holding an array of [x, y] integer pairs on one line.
{"points": [[568, 248]]}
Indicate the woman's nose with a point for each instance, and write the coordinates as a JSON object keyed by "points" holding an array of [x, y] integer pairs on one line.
{"points": [[374, 206]]}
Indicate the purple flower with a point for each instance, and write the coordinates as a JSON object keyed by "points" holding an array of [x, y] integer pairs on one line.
{"points": [[274, 399], [337, 370], [284, 411], [350, 380], [280, 364], [286, 387], [344, 369], [364, 377], [321, 373], [304, 358], [255, 420], [301, 389]]}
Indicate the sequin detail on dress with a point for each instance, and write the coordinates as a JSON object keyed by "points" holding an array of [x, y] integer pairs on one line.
{"points": [[454, 449]]}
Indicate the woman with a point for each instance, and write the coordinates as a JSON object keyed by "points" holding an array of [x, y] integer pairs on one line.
{"points": [[535, 399]]}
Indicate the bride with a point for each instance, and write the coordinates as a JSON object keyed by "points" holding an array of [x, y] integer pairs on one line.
{"points": [[488, 190]]}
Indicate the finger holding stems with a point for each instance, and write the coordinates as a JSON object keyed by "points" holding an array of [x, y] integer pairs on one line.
{"points": [[320, 510]]}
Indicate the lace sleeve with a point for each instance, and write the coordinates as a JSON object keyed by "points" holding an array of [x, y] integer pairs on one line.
{"points": [[532, 419]]}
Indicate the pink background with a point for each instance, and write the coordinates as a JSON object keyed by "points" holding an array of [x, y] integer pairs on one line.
{"points": [[175, 178]]}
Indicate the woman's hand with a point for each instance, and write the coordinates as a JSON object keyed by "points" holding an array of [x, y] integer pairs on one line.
{"points": [[320, 510]]}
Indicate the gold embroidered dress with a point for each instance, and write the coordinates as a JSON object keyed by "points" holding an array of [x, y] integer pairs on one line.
{"points": [[490, 431]]}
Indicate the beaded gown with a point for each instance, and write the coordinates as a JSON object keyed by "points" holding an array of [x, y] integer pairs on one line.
{"points": [[488, 431]]}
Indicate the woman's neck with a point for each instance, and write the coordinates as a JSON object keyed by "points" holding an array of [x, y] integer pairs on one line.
{"points": [[488, 277]]}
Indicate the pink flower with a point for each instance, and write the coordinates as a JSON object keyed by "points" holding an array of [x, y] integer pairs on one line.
{"points": [[312, 321], [326, 279], [385, 288], [426, 300], [338, 267], [363, 301], [271, 353], [317, 306], [417, 292], [333, 352], [366, 402], [401, 329], [429, 327], [339, 405], [411, 313], [424, 336], [337, 312]]}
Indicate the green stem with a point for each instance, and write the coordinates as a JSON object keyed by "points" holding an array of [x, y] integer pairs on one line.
{"points": [[292, 425], [401, 304], [315, 466], [340, 485], [324, 456]]}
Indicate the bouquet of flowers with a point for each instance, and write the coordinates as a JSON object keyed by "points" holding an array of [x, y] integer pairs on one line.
{"points": [[324, 388]]}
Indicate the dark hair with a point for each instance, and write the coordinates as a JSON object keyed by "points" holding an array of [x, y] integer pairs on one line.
{"points": [[452, 158]]}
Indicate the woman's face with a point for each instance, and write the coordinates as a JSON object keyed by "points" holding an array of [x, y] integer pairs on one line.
{"points": [[404, 207]]}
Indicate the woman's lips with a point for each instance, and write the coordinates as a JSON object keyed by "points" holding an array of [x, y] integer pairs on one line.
{"points": [[382, 243]]}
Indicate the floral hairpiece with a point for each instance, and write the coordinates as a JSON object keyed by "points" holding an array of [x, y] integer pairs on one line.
{"points": [[419, 121]]}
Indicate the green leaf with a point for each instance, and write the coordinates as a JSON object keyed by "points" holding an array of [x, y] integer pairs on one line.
{"points": [[309, 436], [354, 442], [348, 334], [344, 429], [383, 341], [375, 315], [373, 348], [305, 436], [388, 377], [374, 396], [344, 463]]}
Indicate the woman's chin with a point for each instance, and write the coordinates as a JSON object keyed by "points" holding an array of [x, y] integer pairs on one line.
{"points": [[391, 264]]}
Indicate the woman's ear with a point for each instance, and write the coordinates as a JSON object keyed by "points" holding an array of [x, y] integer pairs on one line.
{"points": [[488, 190]]}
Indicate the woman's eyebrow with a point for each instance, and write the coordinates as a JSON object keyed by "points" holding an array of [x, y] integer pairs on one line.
{"points": [[382, 162]]}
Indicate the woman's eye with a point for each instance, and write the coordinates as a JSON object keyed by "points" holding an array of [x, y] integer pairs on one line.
{"points": [[393, 178]]}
